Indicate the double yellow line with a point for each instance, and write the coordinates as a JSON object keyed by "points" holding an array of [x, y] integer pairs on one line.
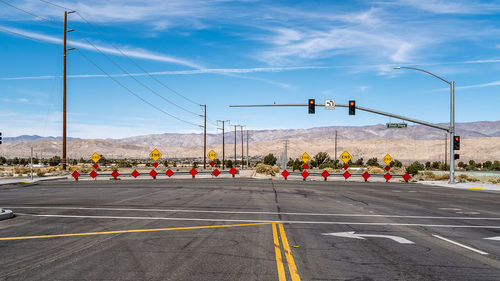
{"points": [[288, 254]]}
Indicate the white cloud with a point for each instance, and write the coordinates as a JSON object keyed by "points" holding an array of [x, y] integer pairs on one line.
{"points": [[134, 53], [483, 85], [452, 7]]}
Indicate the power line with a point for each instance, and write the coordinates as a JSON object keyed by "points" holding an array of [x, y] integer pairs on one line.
{"points": [[92, 62], [133, 93], [125, 55]]}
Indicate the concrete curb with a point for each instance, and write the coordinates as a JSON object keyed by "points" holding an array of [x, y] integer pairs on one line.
{"points": [[20, 181], [6, 214]]}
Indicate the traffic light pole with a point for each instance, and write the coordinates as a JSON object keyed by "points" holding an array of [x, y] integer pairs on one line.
{"points": [[450, 129]]}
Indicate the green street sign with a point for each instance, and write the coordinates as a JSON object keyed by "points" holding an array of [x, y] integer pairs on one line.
{"points": [[396, 125]]}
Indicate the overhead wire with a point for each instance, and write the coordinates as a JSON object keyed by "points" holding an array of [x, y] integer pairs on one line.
{"points": [[97, 66], [124, 54], [133, 93]]}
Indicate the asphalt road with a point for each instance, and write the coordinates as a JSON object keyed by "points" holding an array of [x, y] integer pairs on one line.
{"points": [[235, 229]]}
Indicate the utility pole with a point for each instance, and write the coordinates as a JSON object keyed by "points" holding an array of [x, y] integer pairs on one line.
{"points": [[284, 156], [205, 140], [247, 153], [242, 154], [235, 145], [64, 88], [336, 144], [31, 166], [223, 143]]}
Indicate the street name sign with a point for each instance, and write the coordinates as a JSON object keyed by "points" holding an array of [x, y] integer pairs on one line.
{"points": [[396, 125]]}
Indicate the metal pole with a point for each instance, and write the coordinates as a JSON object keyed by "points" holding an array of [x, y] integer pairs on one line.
{"points": [[247, 152], [64, 93], [445, 149], [452, 131], [242, 154], [234, 146], [205, 140], [31, 167], [223, 146], [336, 144]]}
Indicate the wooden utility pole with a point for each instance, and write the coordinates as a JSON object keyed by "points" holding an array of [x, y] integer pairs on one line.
{"points": [[234, 145], [247, 152], [223, 143], [64, 93], [242, 154], [205, 140]]}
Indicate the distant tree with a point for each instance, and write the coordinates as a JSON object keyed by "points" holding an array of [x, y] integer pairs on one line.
{"points": [[373, 162], [321, 157], [290, 162], [359, 162], [195, 164], [427, 165], [487, 165], [229, 163], [396, 163], [297, 165], [270, 159], [54, 161], [414, 168], [495, 166], [3, 160], [461, 165]]}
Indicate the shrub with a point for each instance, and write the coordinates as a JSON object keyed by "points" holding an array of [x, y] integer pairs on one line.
{"points": [[375, 170], [267, 169], [373, 162], [270, 159], [414, 168]]}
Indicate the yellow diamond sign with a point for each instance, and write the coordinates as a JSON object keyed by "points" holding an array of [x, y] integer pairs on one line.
{"points": [[345, 156], [212, 155], [155, 155], [95, 157], [305, 157], [387, 159]]}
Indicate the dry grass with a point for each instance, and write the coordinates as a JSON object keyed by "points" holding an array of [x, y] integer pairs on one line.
{"points": [[267, 169], [375, 170]]}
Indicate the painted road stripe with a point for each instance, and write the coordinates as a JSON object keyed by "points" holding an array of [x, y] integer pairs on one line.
{"points": [[265, 221], [288, 254], [478, 188], [128, 231], [460, 245], [279, 259], [259, 213]]}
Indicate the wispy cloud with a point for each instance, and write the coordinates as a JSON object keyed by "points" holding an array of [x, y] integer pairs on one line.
{"points": [[134, 53], [483, 85], [451, 7], [177, 72]]}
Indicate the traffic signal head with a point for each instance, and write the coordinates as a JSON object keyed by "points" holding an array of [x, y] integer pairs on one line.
{"points": [[312, 106], [456, 143], [0, 138], [352, 107]]}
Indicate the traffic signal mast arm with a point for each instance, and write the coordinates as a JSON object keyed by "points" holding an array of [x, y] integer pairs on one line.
{"points": [[416, 121]]}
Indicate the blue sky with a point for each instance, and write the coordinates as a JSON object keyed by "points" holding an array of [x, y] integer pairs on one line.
{"points": [[244, 52]]}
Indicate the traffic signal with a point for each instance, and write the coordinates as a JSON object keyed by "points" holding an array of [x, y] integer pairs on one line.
{"points": [[457, 156], [0, 138], [312, 106], [352, 107], [456, 143]]}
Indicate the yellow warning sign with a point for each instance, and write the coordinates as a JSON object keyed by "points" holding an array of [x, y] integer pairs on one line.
{"points": [[155, 155], [345, 156], [305, 157], [95, 157], [387, 159], [212, 155]]}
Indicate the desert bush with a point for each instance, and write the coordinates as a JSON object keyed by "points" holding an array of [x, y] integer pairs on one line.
{"points": [[464, 177], [22, 170], [267, 169], [414, 168], [375, 170], [427, 175], [442, 177]]}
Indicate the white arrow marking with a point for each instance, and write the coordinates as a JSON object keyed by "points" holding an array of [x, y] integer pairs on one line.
{"points": [[493, 238], [351, 234]]}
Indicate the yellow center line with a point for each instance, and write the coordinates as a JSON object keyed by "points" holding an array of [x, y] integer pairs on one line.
{"points": [[475, 188], [130, 231], [279, 260], [288, 254]]}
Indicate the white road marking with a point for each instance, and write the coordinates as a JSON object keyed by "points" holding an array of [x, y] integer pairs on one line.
{"points": [[269, 221], [352, 234], [257, 213], [493, 238], [468, 213], [450, 209], [460, 245]]}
